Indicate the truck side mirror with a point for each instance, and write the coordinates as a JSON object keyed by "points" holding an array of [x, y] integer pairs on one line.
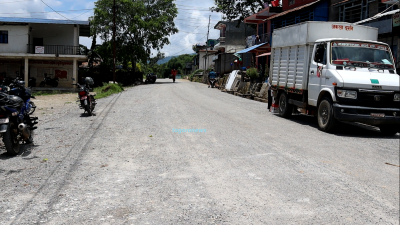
{"points": [[319, 53]]}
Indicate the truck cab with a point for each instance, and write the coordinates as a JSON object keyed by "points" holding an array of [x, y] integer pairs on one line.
{"points": [[356, 81]]}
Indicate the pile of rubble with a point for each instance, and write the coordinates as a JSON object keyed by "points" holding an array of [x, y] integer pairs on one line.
{"points": [[245, 89]]}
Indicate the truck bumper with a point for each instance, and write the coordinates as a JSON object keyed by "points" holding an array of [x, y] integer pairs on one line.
{"points": [[364, 114]]}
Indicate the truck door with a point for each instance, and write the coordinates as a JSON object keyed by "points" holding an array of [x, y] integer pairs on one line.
{"points": [[317, 73]]}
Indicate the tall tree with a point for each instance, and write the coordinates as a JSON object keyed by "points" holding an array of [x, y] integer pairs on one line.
{"points": [[141, 25], [238, 9]]}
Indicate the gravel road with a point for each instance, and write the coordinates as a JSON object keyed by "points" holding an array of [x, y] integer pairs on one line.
{"points": [[125, 165]]}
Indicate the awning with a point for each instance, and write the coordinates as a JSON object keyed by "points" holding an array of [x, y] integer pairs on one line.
{"points": [[265, 54], [378, 16], [251, 48]]}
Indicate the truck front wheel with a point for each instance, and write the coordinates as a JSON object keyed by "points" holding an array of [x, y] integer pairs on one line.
{"points": [[326, 119], [388, 130], [285, 109]]}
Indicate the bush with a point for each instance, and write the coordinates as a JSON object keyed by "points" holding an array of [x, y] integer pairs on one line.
{"points": [[252, 72], [107, 90], [192, 77]]}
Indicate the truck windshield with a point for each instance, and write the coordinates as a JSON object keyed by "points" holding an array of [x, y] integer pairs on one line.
{"points": [[360, 54]]}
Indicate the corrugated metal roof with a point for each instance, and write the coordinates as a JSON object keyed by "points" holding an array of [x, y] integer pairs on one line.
{"points": [[291, 10], [43, 21], [250, 48]]}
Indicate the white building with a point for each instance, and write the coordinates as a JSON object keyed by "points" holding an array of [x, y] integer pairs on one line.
{"points": [[34, 47]]}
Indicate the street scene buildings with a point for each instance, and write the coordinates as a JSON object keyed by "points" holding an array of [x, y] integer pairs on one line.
{"points": [[200, 112]]}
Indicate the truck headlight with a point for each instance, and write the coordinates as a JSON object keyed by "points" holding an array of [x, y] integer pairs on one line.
{"points": [[347, 94], [396, 97]]}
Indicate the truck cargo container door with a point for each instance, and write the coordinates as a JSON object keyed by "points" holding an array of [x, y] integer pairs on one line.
{"points": [[317, 73]]}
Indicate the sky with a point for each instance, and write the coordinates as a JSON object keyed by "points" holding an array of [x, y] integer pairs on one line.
{"points": [[192, 19]]}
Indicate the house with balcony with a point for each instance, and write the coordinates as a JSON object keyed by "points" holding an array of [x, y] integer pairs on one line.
{"points": [[231, 40], [41, 47]]}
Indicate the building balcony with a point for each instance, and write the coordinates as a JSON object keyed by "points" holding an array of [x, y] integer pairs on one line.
{"points": [[254, 40], [54, 49]]}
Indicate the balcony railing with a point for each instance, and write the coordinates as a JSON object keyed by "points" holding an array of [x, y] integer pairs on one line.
{"points": [[54, 49], [254, 40]]}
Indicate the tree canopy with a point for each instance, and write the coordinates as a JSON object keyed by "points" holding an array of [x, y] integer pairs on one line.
{"points": [[141, 25], [238, 9]]}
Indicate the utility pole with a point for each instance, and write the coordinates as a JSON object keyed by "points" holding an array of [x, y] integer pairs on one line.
{"points": [[208, 32], [114, 29]]}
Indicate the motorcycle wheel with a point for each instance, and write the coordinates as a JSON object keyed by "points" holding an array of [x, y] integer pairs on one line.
{"points": [[10, 140], [33, 107], [42, 84], [55, 84], [88, 110]]}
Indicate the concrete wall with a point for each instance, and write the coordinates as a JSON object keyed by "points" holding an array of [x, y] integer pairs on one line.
{"points": [[17, 39], [55, 34], [236, 35], [210, 62], [54, 68], [223, 64]]}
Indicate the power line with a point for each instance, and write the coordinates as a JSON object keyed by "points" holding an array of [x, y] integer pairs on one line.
{"points": [[16, 1], [74, 10], [54, 10]]}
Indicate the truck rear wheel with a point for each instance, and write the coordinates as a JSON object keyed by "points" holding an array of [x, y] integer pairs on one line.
{"points": [[388, 130], [285, 109], [326, 119]]}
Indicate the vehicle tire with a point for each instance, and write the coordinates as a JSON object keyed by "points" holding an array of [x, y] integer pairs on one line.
{"points": [[33, 108], [325, 117], [10, 142], [42, 84], [88, 110], [389, 130], [285, 109], [55, 84]]}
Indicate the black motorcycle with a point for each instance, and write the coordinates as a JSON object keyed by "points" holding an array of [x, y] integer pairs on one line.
{"points": [[32, 82], [150, 78], [15, 85], [53, 82], [86, 99], [16, 126]]}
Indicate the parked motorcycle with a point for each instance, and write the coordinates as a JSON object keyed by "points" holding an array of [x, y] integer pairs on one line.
{"points": [[150, 78], [86, 99], [212, 82], [16, 126], [32, 82], [18, 85], [49, 81]]}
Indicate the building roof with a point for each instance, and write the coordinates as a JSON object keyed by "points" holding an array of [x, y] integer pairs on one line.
{"points": [[291, 10], [84, 25], [260, 16]]}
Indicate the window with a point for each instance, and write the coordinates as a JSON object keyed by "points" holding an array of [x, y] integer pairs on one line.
{"points": [[3, 36], [291, 2]]}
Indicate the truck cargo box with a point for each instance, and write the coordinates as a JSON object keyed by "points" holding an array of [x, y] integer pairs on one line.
{"points": [[309, 32]]}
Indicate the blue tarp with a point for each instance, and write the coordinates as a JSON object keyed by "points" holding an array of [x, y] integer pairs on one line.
{"points": [[251, 48]]}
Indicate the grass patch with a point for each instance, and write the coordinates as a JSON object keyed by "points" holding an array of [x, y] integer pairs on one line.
{"points": [[43, 93], [107, 90]]}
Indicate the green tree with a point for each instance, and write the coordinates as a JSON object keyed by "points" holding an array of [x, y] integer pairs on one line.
{"points": [[237, 9], [141, 25]]}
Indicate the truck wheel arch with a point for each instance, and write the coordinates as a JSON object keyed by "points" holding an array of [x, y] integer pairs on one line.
{"points": [[325, 92]]}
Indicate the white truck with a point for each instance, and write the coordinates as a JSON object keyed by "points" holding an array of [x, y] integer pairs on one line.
{"points": [[336, 71]]}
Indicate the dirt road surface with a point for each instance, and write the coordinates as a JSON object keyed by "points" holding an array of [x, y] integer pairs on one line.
{"points": [[126, 165]]}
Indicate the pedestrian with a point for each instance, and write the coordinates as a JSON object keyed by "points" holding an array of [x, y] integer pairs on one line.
{"points": [[269, 94]]}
